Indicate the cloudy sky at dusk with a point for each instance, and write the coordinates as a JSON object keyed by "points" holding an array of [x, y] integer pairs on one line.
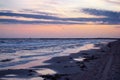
{"points": [[59, 18]]}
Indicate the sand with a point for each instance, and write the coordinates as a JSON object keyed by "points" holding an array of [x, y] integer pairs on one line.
{"points": [[107, 67]]}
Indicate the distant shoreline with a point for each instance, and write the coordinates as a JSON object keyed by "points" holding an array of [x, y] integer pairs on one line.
{"points": [[61, 38]]}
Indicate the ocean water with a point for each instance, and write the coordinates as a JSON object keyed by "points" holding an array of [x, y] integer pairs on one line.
{"points": [[14, 52]]}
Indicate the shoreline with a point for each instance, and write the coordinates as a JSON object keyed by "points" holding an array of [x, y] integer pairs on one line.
{"points": [[85, 65], [41, 60]]}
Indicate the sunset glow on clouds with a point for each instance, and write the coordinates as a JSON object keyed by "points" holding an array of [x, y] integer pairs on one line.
{"points": [[59, 12]]}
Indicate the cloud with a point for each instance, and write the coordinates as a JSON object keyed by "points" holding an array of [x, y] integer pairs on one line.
{"points": [[15, 21], [36, 16], [36, 12], [41, 18], [110, 17], [109, 14], [114, 1], [6, 11]]}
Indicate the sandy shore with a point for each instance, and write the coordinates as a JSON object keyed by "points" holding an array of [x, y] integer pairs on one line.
{"points": [[93, 64], [106, 67]]}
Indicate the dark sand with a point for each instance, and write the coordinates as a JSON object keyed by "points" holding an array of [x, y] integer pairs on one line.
{"points": [[107, 67], [96, 64]]}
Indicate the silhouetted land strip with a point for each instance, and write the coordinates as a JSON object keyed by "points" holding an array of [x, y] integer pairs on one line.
{"points": [[55, 38]]}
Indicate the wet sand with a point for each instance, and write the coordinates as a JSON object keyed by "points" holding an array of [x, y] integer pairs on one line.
{"points": [[92, 64]]}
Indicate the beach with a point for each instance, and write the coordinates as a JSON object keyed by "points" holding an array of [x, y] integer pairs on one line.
{"points": [[92, 62]]}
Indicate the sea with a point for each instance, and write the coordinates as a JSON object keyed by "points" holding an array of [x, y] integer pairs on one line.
{"points": [[21, 51]]}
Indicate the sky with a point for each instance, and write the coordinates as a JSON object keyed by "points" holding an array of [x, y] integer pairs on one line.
{"points": [[60, 18]]}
